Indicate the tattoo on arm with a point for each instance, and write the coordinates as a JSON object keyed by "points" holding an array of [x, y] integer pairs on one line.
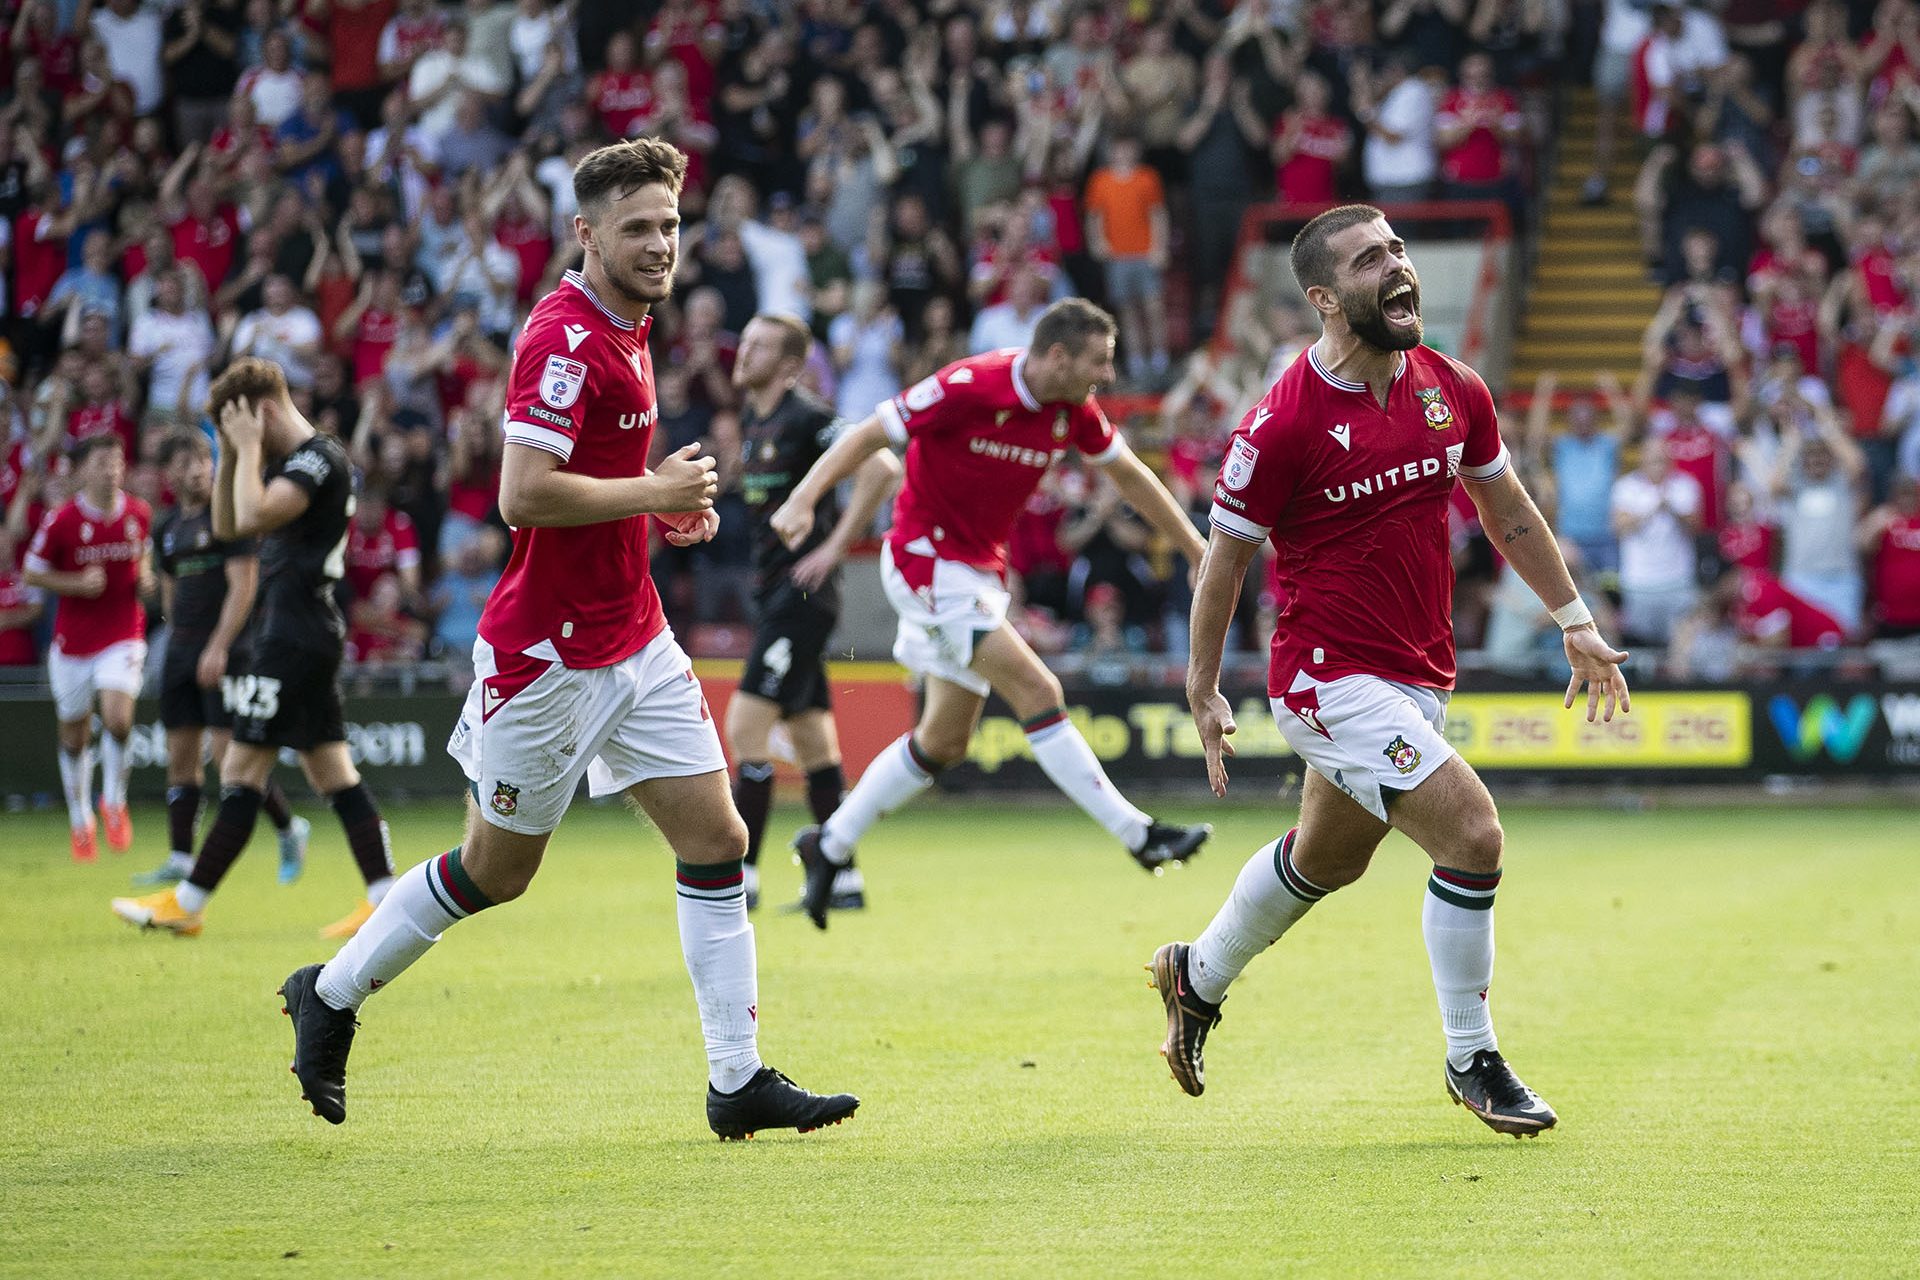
{"points": [[1517, 532]]}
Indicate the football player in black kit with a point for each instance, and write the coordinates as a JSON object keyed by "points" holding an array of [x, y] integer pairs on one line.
{"points": [[287, 693], [207, 588], [783, 432]]}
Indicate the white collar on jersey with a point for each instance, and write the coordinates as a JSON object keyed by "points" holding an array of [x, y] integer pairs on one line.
{"points": [[92, 512], [1313, 358], [1020, 384], [579, 282]]}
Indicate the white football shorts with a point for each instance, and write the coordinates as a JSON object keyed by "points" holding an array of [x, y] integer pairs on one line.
{"points": [[120, 667], [940, 621], [1368, 736], [531, 728]]}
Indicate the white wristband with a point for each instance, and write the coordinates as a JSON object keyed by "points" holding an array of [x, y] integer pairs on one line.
{"points": [[1573, 614]]}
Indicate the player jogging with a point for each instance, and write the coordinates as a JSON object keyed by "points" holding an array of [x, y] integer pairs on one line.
{"points": [[784, 430], [286, 693], [1347, 464], [577, 671], [979, 435], [92, 554], [207, 588]]}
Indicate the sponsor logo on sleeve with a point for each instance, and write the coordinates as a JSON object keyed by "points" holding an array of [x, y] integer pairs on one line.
{"points": [[1238, 472], [309, 462], [926, 393], [548, 415], [561, 382]]}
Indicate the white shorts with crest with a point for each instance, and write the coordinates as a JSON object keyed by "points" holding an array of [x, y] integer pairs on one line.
{"points": [[1370, 737]]}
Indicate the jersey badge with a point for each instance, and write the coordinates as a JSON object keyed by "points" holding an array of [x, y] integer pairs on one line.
{"points": [[1342, 435], [1239, 469], [927, 392], [506, 799], [560, 385], [1060, 425], [576, 334], [1000, 418], [1403, 755], [1439, 416]]}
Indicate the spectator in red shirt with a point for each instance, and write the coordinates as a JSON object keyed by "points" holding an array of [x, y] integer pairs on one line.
{"points": [[1890, 539], [623, 93], [353, 29], [380, 632], [1310, 144], [1768, 614], [1695, 448], [1478, 124], [20, 606], [1745, 541], [101, 411], [381, 542]]}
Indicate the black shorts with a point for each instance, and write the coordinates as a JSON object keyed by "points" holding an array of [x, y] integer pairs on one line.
{"points": [[183, 703], [287, 697], [786, 664]]}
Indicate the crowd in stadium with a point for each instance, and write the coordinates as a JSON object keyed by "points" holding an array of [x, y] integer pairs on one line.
{"points": [[372, 193]]}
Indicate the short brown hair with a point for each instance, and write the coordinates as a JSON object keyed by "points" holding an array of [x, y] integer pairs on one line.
{"points": [[1312, 261], [87, 446], [1071, 322], [250, 377], [796, 340], [614, 171], [182, 441]]}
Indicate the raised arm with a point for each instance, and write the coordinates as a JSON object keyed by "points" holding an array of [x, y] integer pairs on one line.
{"points": [[1144, 493], [1216, 594], [536, 494]]}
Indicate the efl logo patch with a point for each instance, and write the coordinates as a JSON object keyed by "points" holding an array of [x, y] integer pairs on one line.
{"points": [[1405, 757], [924, 394], [506, 799], [1238, 471], [561, 383], [1439, 416]]}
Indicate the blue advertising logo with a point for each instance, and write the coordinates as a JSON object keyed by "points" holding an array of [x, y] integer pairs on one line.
{"points": [[1823, 724]]}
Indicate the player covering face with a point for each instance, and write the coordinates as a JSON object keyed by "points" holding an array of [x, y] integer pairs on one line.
{"points": [[577, 673], [1346, 466]]}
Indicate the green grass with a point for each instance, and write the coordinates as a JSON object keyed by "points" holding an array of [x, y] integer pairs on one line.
{"points": [[1724, 1006]]}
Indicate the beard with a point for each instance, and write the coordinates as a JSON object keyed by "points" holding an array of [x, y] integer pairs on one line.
{"points": [[1369, 323], [639, 289]]}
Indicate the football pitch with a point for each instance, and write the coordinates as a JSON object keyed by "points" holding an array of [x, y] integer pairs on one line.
{"points": [[1723, 1005]]}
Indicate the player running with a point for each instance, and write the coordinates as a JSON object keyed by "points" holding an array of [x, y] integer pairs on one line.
{"points": [[784, 429], [1346, 465], [979, 435], [286, 693], [92, 553], [577, 671], [207, 588]]}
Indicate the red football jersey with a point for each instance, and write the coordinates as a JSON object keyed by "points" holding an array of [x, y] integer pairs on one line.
{"points": [[1766, 608], [393, 546], [77, 535], [1896, 574], [582, 389], [16, 643], [978, 443], [1698, 452], [1355, 499]]}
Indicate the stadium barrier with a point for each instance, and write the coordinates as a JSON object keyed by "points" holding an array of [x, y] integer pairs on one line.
{"points": [[1806, 727]]}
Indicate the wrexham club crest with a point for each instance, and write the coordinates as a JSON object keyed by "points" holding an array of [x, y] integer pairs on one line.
{"points": [[1439, 417], [506, 799], [1403, 755]]}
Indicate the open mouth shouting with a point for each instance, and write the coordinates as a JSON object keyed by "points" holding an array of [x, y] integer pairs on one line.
{"points": [[1400, 305]]}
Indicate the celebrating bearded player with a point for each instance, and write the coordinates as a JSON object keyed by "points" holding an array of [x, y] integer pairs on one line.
{"points": [[577, 671], [208, 587], [784, 430], [1347, 465], [285, 689], [979, 435], [92, 554]]}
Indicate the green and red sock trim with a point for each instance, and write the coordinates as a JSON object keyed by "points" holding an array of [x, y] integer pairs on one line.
{"points": [[453, 888], [1290, 878], [920, 759], [1045, 720], [1469, 890], [711, 881]]}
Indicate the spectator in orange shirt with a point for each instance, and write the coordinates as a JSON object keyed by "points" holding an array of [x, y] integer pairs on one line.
{"points": [[1126, 212]]}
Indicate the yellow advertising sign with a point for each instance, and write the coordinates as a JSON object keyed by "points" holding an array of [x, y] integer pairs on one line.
{"points": [[1708, 730]]}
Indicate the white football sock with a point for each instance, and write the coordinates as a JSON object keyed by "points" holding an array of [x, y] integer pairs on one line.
{"points": [[409, 916], [1268, 898], [378, 890], [76, 779], [115, 763], [717, 942], [1457, 919], [894, 777], [1070, 762]]}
